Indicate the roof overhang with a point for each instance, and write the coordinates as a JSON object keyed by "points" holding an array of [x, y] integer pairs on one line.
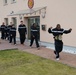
{"points": [[27, 11]]}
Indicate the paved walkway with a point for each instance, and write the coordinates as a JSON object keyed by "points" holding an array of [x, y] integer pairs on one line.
{"points": [[65, 58]]}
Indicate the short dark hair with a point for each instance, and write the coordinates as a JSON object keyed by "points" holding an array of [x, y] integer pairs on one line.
{"points": [[21, 21], [58, 24]]}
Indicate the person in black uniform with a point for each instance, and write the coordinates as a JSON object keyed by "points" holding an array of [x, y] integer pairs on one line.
{"points": [[34, 35], [22, 32], [0, 28], [57, 33], [8, 31], [3, 31], [0, 31], [13, 34]]}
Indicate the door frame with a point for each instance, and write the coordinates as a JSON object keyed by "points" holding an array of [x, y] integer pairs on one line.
{"points": [[29, 25], [14, 21]]}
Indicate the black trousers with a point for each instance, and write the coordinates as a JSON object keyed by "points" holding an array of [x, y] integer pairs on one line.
{"points": [[9, 36], [6, 35], [13, 38], [58, 47], [32, 40], [2, 35], [22, 38]]}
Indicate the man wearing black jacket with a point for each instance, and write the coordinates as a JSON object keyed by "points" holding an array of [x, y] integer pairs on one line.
{"points": [[57, 33], [8, 31], [13, 34], [3, 31], [34, 35], [22, 32]]}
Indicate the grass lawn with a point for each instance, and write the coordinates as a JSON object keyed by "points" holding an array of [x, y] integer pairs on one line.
{"points": [[15, 62]]}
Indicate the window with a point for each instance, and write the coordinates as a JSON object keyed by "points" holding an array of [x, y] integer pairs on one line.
{"points": [[6, 21], [5, 2], [13, 1]]}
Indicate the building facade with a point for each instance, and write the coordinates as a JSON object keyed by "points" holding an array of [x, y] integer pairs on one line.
{"points": [[45, 13]]}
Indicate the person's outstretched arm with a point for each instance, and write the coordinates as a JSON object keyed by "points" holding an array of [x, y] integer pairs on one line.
{"points": [[49, 30], [67, 31]]}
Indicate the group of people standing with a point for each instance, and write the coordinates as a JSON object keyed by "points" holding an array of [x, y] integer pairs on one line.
{"points": [[9, 32], [34, 34]]}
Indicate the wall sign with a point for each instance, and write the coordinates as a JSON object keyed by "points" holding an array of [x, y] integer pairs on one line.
{"points": [[43, 27], [30, 3]]}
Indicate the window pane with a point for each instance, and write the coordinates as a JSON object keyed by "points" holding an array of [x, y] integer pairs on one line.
{"points": [[5, 1]]}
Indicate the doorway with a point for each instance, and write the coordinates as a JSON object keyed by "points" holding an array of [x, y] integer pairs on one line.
{"points": [[14, 20], [32, 20], [6, 21]]}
